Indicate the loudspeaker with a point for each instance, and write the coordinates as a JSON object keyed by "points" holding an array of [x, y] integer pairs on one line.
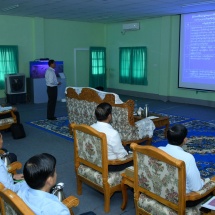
{"points": [[15, 83]]}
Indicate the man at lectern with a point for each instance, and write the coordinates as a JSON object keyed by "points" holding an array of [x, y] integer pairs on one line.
{"points": [[51, 83]]}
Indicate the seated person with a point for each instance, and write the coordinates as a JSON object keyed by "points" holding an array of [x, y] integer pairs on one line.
{"points": [[8, 114], [6, 178], [116, 150], [177, 137], [40, 175]]}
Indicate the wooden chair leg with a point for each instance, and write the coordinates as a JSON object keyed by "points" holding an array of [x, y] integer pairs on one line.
{"points": [[71, 212], [124, 196], [107, 202], [79, 186]]}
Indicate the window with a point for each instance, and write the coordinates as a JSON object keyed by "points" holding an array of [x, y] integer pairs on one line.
{"points": [[8, 62], [97, 67], [132, 65]]}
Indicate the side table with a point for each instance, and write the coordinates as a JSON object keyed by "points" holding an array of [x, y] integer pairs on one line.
{"points": [[161, 121]]}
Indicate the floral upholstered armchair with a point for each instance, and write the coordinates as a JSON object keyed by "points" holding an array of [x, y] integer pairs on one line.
{"points": [[91, 162], [12, 204], [81, 105], [160, 183]]}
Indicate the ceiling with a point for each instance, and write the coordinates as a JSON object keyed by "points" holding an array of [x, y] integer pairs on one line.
{"points": [[102, 11]]}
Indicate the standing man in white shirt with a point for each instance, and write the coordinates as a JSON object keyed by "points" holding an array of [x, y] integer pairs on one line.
{"points": [[116, 150], [177, 137], [51, 83]]}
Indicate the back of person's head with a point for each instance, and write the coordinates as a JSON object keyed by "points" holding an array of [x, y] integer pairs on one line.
{"points": [[176, 134], [51, 62], [38, 169], [102, 111]]}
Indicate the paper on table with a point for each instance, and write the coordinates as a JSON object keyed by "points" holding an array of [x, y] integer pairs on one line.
{"points": [[153, 117], [210, 204]]}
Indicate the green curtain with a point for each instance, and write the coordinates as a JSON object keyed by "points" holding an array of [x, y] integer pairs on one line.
{"points": [[8, 62], [125, 65], [97, 67], [133, 68]]}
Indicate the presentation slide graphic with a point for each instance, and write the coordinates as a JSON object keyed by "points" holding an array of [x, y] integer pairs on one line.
{"points": [[197, 51]]}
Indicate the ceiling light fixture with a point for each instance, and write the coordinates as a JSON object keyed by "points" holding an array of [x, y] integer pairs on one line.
{"points": [[10, 7], [198, 3]]}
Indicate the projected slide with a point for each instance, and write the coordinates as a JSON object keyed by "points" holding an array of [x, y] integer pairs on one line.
{"points": [[197, 51]]}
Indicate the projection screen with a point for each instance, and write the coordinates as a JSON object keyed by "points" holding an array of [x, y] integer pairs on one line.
{"points": [[197, 51]]}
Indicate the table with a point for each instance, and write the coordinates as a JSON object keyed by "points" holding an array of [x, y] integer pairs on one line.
{"points": [[159, 122]]}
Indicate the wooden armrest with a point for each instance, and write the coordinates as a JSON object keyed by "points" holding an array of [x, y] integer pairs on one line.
{"points": [[11, 112], [71, 201], [5, 111], [2, 152], [127, 159], [192, 196], [14, 166]]}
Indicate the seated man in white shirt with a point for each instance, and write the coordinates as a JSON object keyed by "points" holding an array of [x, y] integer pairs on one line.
{"points": [[40, 175], [177, 137], [116, 150]]}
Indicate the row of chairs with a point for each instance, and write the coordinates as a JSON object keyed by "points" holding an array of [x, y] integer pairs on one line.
{"points": [[159, 179]]}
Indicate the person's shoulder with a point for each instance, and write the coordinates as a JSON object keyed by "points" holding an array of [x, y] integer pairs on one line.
{"points": [[187, 156], [48, 69], [113, 131], [94, 124], [53, 204]]}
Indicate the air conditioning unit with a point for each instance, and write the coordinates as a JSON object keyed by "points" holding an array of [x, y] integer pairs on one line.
{"points": [[131, 26], [15, 83]]}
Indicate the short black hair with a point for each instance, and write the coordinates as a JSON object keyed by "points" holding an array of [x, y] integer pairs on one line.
{"points": [[102, 111], [176, 134], [51, 62], [37, 170]]}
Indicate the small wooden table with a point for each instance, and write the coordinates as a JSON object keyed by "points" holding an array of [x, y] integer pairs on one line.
{"points": [[159, 122]]}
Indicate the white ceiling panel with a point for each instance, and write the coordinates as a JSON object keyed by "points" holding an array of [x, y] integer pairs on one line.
{"points": [[102, 11]]}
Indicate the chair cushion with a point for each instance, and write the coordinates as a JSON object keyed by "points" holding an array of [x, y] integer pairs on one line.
{"points": [[6, 121], [81, 111], [114, 178], [8, 209], [206, 187], [89, 148], [153, 173], [152, 206]]}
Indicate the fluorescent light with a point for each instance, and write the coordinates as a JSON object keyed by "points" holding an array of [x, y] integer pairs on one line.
{"points": [[10, 7]]}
